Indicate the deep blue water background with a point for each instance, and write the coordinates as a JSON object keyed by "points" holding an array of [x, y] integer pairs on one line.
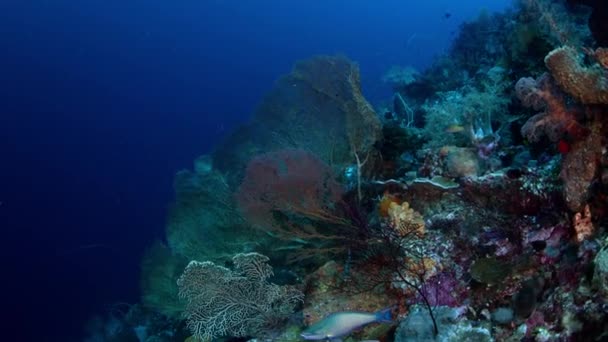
{"points": [[102, 101]]}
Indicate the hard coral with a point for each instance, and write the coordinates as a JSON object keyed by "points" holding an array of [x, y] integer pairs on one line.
{"points": [[406, 220], [386, 202], [462, 162], [588, 84]]}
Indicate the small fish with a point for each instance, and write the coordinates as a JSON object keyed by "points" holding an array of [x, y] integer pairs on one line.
{"points": [[447, 15], [454, 128], [340, 324]]}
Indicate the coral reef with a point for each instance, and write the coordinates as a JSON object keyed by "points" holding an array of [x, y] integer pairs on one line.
{"points": [[474, 206]]}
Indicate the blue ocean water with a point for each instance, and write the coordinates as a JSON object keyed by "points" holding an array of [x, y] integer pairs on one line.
{"points": [[101, 102]]}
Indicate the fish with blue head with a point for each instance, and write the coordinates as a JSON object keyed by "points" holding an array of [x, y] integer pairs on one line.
{"points": [[340, 324]]}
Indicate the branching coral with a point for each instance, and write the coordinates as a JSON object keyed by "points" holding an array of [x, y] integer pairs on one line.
{"points": [[588, 84], [239, 302]]}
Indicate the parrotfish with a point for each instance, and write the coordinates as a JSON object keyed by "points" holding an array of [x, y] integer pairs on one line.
{"points": [[340, 324]]}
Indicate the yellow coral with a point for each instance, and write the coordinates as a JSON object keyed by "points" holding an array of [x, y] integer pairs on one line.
{"points": [[385, 203], [405, 220]]}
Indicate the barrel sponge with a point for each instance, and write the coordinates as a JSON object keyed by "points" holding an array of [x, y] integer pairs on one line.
{"points": [[587, 84]]}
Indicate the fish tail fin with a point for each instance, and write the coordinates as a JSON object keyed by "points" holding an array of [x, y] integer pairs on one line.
{"points": [[385, 315]]}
